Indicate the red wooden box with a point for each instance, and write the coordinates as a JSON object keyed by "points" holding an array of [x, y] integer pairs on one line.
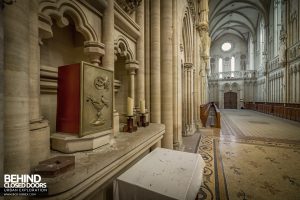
{"points": [[84, 99]]}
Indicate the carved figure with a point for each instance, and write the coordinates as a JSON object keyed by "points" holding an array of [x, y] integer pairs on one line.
{"points": [[102, 83], [98, 105]]}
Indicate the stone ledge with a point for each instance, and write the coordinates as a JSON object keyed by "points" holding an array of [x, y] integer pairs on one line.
{"points": [[95, 168], [68, 143]]}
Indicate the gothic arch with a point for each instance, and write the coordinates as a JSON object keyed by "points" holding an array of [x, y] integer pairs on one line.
{"points": [[122, 48], [187, 36], [58, 10]]}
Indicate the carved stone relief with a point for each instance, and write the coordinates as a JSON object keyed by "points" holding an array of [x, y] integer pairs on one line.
{"points": [[97, 98]]}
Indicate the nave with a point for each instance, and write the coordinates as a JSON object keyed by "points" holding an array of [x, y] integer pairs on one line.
{"points": [[256, 156]]}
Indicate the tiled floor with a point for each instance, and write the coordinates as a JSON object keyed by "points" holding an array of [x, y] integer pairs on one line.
{"points": [[190, 143], [255, 124], [257, 156]]}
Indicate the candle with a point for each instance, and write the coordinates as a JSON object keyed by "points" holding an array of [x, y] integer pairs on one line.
{"points": [[129, 106], [142, 106]]}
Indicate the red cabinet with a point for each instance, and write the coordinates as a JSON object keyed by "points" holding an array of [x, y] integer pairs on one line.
{"points": [[84, 99]]}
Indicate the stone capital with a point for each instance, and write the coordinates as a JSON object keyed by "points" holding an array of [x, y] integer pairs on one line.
{"points": [[94, 51], [131, 66], [202, 26], [188, 65]]}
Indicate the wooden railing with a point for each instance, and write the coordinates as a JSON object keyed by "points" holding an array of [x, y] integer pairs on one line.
{"points": [[287, 111], [218, 115], [210, 110], [204, 112]]}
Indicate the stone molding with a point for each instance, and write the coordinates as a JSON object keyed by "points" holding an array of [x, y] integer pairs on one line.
{"points": [[129, 6], [95, 169], [48, 10]]}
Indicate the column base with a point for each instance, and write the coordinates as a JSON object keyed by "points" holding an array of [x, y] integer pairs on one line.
{"points": [[116, 123], [39, 142], [189, 130]]}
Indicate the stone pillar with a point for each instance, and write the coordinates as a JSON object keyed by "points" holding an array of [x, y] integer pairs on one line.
{"points": [[298, 84], [108, 60], [108, 36], [189, 128], [279, 89], [176, 106], [39, 128], [131, 67], [1, 99], [16, 91], [167, 73], [290, 86], [155, 112], [147, 54], [140, 55], [274, 88], [197, 84], [295, 84]]}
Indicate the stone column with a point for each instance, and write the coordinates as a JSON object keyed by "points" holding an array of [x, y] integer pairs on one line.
{"points": [[275, 91], [298, 85], [140, 55], [39, 128], [271, 81], [131, 67], [176, 106], [16, 91], [189, 128], [147, 54], [1, 99], [167, 73], [155, 111], [295, 84], [185, 99], [279, 89], [108, 36], [108, 59], [290, 86]]}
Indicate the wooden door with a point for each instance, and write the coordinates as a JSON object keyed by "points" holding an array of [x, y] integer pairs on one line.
{"points": [[230, 100]]}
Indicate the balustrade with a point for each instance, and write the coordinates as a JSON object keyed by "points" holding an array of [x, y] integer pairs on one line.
{"points": [[247, 74]]}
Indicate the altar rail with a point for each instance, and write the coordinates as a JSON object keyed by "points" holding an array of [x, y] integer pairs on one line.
{"points": [[288, 111], [210, 111]]}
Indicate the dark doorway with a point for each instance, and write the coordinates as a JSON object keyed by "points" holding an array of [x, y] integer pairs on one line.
{"points": [[230, 100]]}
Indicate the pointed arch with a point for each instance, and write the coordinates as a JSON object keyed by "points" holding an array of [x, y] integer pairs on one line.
{"points": [[122, 48], [187, 35], [58, 10]]}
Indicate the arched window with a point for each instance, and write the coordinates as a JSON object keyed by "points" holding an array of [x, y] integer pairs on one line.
{"points": [[277, 25], [251, 53], [220, 67], [262, 41], [232, 65]]}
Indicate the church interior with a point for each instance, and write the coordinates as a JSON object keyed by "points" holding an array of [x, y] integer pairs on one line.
{"points": [[90, 88]]}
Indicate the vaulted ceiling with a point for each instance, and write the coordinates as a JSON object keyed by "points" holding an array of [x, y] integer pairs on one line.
{"points": [[238, 17]]}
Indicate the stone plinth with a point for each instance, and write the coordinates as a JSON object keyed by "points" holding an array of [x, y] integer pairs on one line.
{"points": [[67, 143], [95, 169]]}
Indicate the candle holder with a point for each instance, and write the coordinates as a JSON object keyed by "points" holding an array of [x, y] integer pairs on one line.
{"points": [[142, 121], [129, 127]]}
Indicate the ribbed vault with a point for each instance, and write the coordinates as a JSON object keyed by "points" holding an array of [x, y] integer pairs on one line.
{"points": [[238, 17]]}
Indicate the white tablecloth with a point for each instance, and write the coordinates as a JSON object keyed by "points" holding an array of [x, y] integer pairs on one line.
{"points": [[162, 174]]}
